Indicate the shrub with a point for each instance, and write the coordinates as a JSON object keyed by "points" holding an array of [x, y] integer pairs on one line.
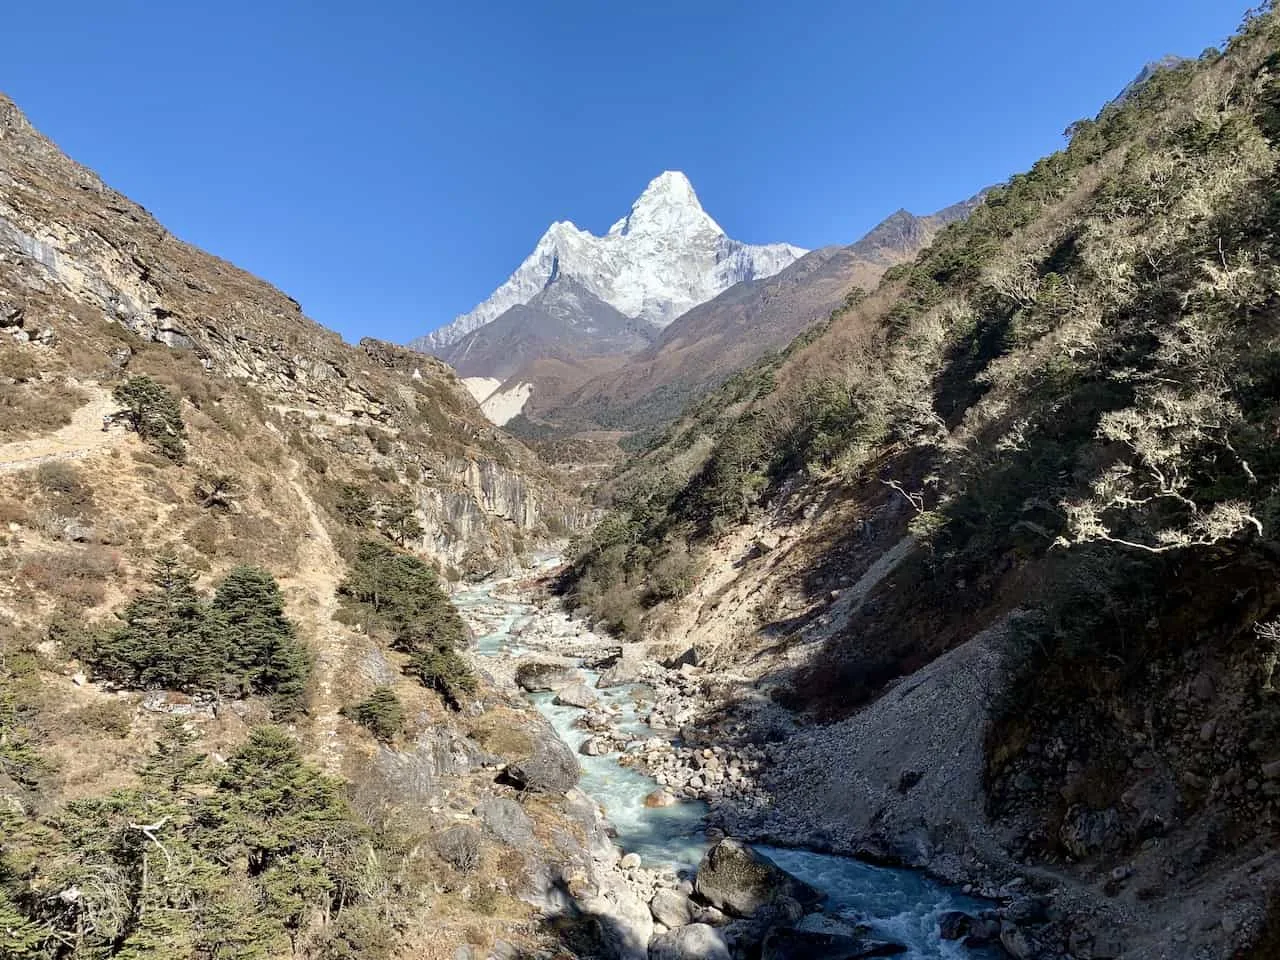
{"points": [[112, 717], [382, 713], [460, 847], [355, 506], [170, 638], [154, 413], [444, 671], [402, 595]]}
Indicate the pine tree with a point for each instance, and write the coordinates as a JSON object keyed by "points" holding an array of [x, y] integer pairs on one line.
{"points": [[20, 937], [154, 413], [264, 655], [166, 639], [174, 764]]}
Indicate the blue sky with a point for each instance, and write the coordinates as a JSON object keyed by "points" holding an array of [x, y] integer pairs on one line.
{"points": [[388, 163]]}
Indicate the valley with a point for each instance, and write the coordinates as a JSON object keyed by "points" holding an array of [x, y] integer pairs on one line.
{"points": [[686, 599]]}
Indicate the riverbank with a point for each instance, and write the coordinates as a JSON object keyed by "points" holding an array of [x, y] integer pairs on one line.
{"points": [[665, 800]]}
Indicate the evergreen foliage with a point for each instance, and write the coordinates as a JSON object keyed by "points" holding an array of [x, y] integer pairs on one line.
{"points": [[244, 863], [170, 637], [399, 594], [154, 413], [382, 713]]}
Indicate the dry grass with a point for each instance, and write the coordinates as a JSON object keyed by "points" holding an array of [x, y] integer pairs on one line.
{"points": [[75, 575], [32, 408]]}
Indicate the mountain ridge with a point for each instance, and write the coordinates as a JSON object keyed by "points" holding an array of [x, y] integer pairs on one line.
{"points": [[665, 256]]}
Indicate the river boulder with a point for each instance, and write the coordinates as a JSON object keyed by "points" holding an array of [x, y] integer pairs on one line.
{"points": [[740, 880], [552, 768], [697, 941], [789, 943], [537, 676], [624, 923], [628, 668], [671, 908], [576, 695]]}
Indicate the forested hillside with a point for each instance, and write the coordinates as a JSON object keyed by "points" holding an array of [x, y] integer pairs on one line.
{"points": [[1059, 423]]}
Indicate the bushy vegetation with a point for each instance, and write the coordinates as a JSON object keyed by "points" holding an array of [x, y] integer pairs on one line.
{"points": [[155, 414], [1086, 367], [170, 637], [258, 857], [397, 594], [382, 713]]}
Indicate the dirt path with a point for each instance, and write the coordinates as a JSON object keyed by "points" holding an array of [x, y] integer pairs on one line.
{"points": [[319, 573], [79, 438]]}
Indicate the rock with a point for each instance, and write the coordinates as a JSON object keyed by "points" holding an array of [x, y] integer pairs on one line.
{"points": [[629, 667], [506, 820], [710, 915], [671, 908], [576, 695], [536, 676], [1086, 832], [1015, 940], [73, 531], [594, 747], [11, 315], [954, 924], [1202, 687], [739, 880], [553, 768], [789, 943], [630, 862], [972, 931], [1027, 910], [626, 925], [1271, 770], [697, 941], [660, 798]]}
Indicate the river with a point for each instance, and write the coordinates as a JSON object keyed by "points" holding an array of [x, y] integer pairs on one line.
{"points": [[898, 905]]}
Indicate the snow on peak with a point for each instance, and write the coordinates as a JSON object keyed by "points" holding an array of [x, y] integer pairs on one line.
{"points": [[668, 204], [664, 257]]}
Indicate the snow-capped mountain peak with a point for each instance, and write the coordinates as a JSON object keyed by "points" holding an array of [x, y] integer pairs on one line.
{"points": [[668, 204], [665, 257]]}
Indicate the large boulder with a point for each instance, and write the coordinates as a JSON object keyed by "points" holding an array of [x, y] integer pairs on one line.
{"points": [[624, 922], [697, 941], [552, 768], [789, 943], [671, 908], [740, 880], [537, 676], [576, 695], [506, 820], [628, 668]]}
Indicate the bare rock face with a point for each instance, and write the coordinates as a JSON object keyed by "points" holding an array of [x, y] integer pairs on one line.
{"points": [[506, 820], [552, 768], [697, 941], [741, 881]]}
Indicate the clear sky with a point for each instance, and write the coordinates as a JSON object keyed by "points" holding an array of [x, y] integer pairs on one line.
{"points": [[389, 162]]}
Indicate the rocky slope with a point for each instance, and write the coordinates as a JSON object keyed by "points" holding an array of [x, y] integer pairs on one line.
{"points": [[262, 442], [988, 564], [97, 272]]}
